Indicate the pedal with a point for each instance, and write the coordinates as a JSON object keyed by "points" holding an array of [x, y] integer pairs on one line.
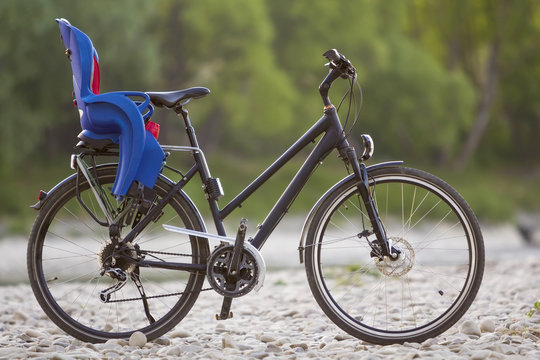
{"points": [[226, 312]]}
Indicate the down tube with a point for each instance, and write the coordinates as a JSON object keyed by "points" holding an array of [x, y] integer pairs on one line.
{"points": [[323, 148]]}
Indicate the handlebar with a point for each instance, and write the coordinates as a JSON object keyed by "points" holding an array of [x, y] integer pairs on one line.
{"points": [[340, 63], [339, 66]]}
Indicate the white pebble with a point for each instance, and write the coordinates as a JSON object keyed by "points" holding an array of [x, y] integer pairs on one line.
{"points": [[487, 325], [470, 327], [191, 348], [265, 338], [228, 342], [480, 355], [173, 351], [20, 316], [163, 341], [137, 339], [179, 334]]}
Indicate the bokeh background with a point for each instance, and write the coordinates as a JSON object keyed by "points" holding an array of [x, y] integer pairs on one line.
{"points": [[452, 87]]}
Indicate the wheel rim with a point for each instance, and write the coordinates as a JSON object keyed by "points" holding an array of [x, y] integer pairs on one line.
{"points": [[66, 265], [419, 299]]}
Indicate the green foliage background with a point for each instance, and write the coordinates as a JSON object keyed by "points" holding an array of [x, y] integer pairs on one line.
{"points": [[449, 86]]}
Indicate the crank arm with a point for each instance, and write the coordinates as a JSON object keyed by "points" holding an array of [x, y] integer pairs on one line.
{"points": [[238, 249]]}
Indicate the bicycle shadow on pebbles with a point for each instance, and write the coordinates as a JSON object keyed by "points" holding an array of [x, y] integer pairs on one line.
{"points": [[283, 321]]}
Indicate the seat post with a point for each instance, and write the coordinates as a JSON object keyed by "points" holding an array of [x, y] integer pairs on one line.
{"points": [[199, 158], [189, 128]]}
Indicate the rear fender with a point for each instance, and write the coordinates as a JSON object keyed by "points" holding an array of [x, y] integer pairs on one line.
{"points": [[45, 196]]}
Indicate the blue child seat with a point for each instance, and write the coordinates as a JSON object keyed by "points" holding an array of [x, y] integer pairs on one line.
{"points": [[112, 115]]}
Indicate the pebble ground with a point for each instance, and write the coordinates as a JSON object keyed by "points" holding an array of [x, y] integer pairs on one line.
{"points": [[283, 321]]}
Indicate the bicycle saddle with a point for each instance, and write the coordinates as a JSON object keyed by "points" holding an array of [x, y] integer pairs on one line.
{"points": [[171, 99]]}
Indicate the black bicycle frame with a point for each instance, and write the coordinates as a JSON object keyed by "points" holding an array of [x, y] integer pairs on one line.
{"points": [[333, 138]]}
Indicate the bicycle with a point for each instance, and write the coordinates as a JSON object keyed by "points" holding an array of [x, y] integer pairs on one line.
{"points": [[392, 254]]}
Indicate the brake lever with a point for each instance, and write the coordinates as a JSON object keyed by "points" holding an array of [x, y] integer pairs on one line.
{"points": [[346, 72]]}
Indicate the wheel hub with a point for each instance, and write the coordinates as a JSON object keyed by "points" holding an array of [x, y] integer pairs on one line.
{"points": [[401, 265]]}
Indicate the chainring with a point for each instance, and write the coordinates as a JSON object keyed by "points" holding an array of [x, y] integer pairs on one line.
{"points": [[228, 285]]}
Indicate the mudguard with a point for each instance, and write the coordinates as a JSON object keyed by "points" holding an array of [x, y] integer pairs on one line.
{"points": [[313, 211], [73, 177]]}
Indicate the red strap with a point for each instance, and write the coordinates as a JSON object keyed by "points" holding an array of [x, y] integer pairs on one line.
{"points": [[153, 128], [94, 82]]}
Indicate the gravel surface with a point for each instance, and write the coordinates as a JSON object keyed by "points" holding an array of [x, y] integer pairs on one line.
{"points": [[283, 321]]}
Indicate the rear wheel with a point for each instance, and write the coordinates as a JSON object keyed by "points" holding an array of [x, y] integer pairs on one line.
{"points": [[414, 297], [68, 251]]}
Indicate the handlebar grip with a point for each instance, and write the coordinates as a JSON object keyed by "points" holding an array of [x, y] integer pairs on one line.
{"points": [[332, 55]]}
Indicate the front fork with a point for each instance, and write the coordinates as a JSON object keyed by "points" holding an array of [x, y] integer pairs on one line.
{"points": [[360, 173]]}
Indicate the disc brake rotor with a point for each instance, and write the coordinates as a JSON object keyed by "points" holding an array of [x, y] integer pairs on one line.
{"points": [[400, 266]]}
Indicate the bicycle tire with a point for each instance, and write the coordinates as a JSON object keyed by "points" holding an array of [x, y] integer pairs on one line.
{"points": [[424, 292], [63, 266]]}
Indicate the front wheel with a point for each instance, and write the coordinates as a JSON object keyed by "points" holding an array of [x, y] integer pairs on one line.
{"points": [[422, 292]]}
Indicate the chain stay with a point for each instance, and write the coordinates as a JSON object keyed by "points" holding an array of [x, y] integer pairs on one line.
{"points": [[163, 295]]}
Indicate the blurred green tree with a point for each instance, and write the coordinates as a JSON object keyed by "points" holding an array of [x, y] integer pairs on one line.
{"points": [[444, 82], [226, 46], [493, 43], [38, 118], [412, 103]]}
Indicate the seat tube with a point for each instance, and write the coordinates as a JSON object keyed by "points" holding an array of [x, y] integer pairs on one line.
{"points": [[204, 171]]}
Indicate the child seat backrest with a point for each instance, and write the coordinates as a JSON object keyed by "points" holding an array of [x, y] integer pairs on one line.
{"points": [[84, 65]]}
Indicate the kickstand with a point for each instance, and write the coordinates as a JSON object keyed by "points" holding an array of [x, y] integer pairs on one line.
{"points": [[136, 279], [226, 312]]}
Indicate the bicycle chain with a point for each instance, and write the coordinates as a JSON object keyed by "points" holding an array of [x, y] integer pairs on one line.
{"points": [[163, 295], [155, 296], [165, 253]]}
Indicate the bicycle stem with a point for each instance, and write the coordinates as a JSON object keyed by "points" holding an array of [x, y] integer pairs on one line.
{"points": [[325, 87]]}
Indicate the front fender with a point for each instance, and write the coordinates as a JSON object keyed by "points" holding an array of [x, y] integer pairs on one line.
{"points": [[313, 211]]}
